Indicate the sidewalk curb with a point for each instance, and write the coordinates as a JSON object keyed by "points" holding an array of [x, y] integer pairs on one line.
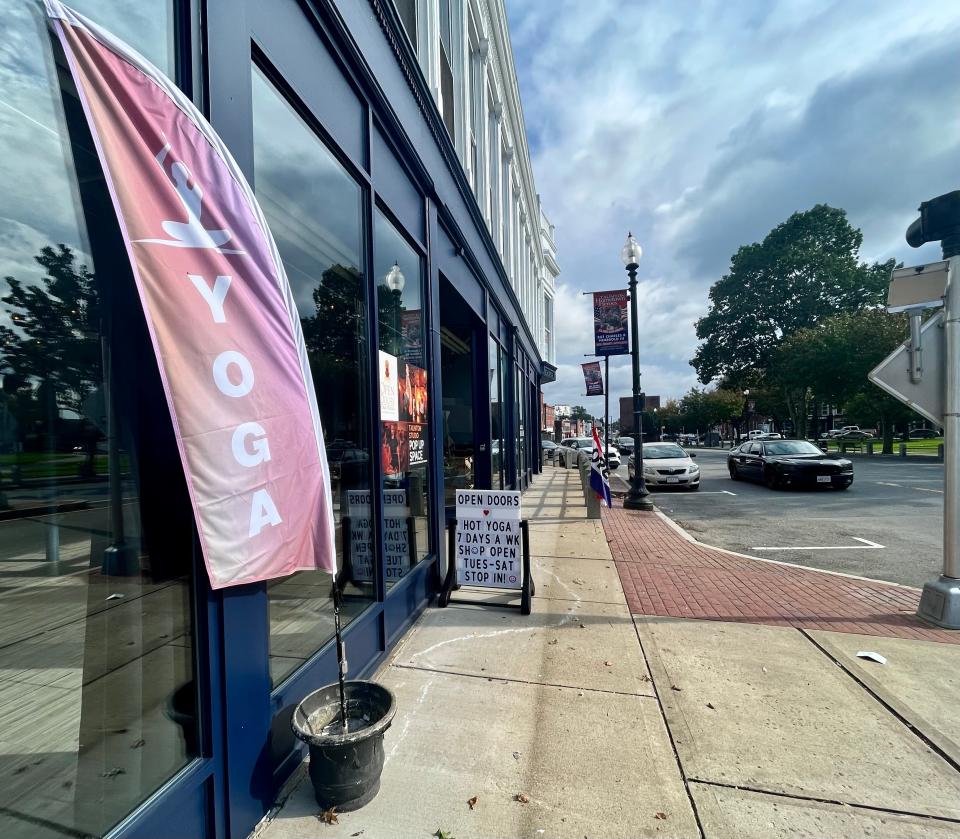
{"points": [[676, 527]]}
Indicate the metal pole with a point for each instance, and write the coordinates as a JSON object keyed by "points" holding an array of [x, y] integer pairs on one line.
{"points": [[951, 424], [606, 410], [639, 497], [940, 600], [341, 657]]}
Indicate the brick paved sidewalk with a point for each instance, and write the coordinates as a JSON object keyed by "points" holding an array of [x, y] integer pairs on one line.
{"points": [[664, 574]]}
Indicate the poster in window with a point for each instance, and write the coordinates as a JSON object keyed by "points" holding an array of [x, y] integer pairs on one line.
{"points": [[417, 443], [412, 386], [389, 388], [394, 449]]}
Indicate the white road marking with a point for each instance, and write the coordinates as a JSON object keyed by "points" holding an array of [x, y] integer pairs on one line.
{"points": [[867, 545], [712, 492], [902, 486]]}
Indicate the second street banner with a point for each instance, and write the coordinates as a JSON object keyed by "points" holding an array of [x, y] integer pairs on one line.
{"points": [[593, 378], [610, 323]]}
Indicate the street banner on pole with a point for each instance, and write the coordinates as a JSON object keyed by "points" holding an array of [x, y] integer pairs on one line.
{"points": [[610, 323], [593, 377], [599, 474], [219, 311]]}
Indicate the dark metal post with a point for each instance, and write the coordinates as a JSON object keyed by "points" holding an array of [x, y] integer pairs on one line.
{"points": [[639, 497], [606, 410]]}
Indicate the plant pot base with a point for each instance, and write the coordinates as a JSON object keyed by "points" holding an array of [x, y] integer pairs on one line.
{"points": [[345, 768]]}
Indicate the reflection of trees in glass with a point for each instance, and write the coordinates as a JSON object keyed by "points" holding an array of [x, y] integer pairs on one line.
{"points": [[56, 339], [335, 340], [51, 356]]}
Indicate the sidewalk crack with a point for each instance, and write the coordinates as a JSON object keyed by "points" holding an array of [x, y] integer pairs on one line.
{"points": [[836, 802]]}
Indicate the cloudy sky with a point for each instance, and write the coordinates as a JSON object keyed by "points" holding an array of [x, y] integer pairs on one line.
{"points": [[700, 126]]}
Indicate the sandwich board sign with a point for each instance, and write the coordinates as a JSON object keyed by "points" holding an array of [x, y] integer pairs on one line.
{"points": [[489, 545]]}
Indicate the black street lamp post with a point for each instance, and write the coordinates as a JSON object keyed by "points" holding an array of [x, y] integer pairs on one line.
{"points": [[639, 497], [395, 281]]}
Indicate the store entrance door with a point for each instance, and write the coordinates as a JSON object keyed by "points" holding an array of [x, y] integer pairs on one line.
{"points": [[465, 402]]}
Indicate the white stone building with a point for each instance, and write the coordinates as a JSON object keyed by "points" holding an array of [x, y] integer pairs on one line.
{"points": [[463, 47]]}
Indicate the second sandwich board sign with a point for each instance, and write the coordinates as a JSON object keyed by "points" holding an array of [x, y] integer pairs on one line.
{"points": [[489, 543]]}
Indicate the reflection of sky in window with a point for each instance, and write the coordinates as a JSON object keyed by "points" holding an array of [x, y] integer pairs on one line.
{"points": [[38, 205], [311, 203], [390, 247]]}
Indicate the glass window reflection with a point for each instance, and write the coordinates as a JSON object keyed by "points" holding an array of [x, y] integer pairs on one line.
{"points": [[314, 209], [96, 539], [404, 403]]}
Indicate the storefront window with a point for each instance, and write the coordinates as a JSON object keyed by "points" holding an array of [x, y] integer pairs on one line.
{"points": [[97, 689], [314, 209], [404, 402], [496, 417], [520, 415]]}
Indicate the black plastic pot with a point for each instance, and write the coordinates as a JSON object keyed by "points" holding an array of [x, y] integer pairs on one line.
{"points": [[345, 768]]}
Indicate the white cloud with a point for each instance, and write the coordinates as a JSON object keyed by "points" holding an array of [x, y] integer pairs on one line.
{"points": [[701, 126]]}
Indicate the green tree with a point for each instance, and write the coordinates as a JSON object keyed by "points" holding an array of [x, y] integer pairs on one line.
{"points": [[578, 412], [805, 269], [828, 363]]}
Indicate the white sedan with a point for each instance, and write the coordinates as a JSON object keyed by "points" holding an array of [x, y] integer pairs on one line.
{"points": [[666, 464], [572, 446]]}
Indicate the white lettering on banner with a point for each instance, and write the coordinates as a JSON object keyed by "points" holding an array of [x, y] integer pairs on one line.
{"points": [[222, 364], [214, 296], [260, 448], [262, 512], [488, 539]]}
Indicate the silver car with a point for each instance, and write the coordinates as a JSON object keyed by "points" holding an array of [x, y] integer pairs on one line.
{"points": [[667, 465], [572, 446]]}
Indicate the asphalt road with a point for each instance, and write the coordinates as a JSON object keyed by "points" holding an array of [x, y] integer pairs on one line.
{"points": [[896, 505]]}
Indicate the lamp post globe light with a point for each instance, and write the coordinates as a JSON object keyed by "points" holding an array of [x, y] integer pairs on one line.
{"points": [[639, 496], [395, 281]]}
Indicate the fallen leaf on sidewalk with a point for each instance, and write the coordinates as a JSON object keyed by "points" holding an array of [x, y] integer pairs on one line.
{"points": [[674, 687], [660, 816], [472, 802], [710, 706], [577, 581], [442, 834], [358, 833], [583, 626], [523, 799], [551, 643], [329, 816], [608, 663], [516, 755]]}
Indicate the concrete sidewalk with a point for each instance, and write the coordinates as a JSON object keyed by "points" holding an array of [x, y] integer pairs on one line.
{"points": [[613, 720]]}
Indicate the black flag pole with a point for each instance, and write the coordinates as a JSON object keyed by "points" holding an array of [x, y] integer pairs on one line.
{"points": [[341, 656]]}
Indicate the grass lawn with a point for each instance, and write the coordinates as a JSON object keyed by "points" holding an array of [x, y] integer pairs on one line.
{"points": [[927, 447]]}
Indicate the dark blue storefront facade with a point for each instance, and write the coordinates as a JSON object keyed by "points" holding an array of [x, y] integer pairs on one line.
{"points": [[324, 106]]}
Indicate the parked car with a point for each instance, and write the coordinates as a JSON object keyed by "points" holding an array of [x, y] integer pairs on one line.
{"points": [[666, 464], [854, 435], [924, 434], [771, 435], [783, 463], [688, 439], [550, 450], [625, 444], [572, 446]]}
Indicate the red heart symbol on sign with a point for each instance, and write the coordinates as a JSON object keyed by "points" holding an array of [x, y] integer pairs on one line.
{"points": [[486, 512]]}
